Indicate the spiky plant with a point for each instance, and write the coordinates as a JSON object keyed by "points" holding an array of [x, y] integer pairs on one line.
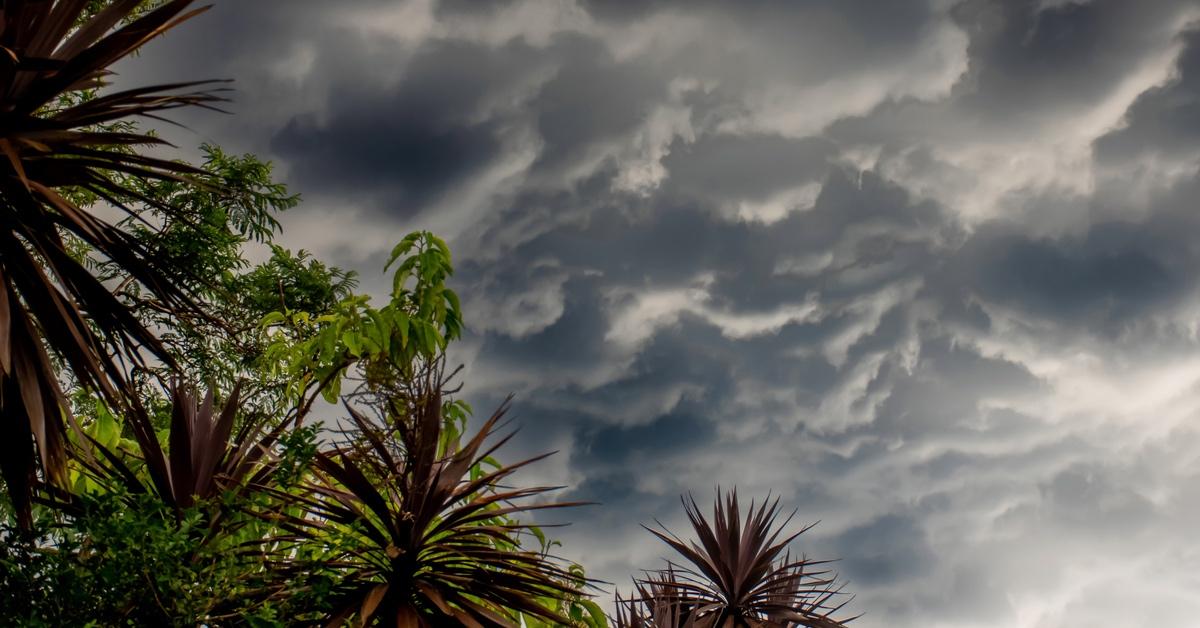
{"points": [[655, 603], [204, 454], [422, 537], [60, 140], [738, 574]]}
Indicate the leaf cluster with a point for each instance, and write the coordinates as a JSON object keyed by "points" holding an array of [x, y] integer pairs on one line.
{"points": [[386, 344], [401, 520], [121, 561]]}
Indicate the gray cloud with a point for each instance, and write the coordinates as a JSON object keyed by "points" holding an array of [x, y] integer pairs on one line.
{"points": [[890, 548], [1162, 119], [405, 144], [924, 270]]}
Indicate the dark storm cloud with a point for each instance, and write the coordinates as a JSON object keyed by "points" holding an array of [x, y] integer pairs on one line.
{"points": [[1164, 120], [868, 20], [405, 144], [402, 145], [573, 338], [870, 229], [675, 432], [886, 549], [745, 167], [693, 354], [591, 98], [687, 237], [1098, 282], [941, 394], [1075, 52], [924, 269], [1092, 499], [1114, 275]]}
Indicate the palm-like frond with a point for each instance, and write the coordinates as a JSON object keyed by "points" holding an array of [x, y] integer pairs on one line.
{"points": [[53, 139], [427, 542], [738, 573]]}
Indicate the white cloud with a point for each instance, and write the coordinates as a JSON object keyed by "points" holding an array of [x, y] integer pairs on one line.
{"points": [[805, 108], [984, 174], [779, 205], [639, 314]]}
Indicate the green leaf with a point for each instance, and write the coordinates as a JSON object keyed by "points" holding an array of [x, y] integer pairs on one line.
{"points": [[596, 617], [402, 323], [353, 341], [273, 318], [332, 390]]}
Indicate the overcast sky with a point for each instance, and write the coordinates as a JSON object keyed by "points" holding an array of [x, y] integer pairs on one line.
{"points": [[926, 270]]}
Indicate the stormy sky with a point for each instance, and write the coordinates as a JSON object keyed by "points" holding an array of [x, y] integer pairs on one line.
{"points": [[924, 269]]}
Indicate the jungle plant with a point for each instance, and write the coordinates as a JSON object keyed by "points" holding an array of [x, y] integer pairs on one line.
{"points": [[121, 560], [738, 574]]}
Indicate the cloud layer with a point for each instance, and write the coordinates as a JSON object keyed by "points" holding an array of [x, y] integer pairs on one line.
{"points": [[925, 270]]}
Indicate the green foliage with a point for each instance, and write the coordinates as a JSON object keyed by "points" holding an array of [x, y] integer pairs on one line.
{"points": [[59, 315], [205, 234], [580, 610], [121, 562], [204, 229], [290, 282], [389, 343], [416, 540], [370, 488], [385, 352]]}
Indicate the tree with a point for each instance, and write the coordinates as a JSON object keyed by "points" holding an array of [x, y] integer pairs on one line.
{"points": [[61, 141]]}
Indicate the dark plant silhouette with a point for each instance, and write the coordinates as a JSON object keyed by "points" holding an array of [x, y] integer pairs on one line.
{"points": [[737, 574], [59, 140], [423, 526]]}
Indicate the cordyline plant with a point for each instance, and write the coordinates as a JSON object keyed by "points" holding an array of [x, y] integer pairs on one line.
{"points": [[422, 528], [59, 140], [739, 575], [204, 457]]}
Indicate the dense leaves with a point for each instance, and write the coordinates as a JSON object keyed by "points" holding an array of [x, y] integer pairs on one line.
{"points": [[424, 529], [122, 561], [305, 532], [387, 343]]}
